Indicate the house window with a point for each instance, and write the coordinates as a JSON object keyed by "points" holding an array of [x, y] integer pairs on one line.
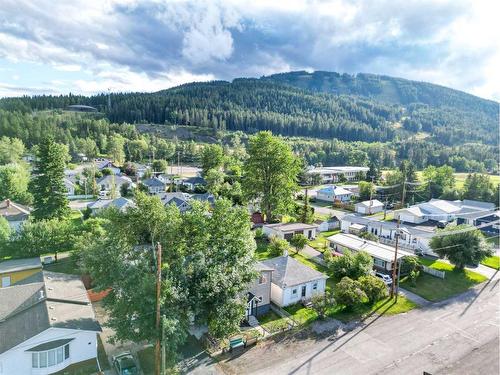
{"points": [[379, 262], [262, 279], [50, 357], [315, 286], [294, 292], [5, 281]]}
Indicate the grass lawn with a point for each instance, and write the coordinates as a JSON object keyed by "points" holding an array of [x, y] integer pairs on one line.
{"points": [[272, 322], [320, 243], [146, 359], [101, 355], [492, 262], [301, 314], [64, 265], [435, 289], [385, 306], [80, 368], [460, 179], [261, 252]]}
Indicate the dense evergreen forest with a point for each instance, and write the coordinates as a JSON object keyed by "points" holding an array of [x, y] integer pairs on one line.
{"points": [[353, 119]]}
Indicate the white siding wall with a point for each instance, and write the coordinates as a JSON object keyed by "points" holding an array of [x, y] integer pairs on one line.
{"points": [[18, 361], [289, 298], [276, 294]]}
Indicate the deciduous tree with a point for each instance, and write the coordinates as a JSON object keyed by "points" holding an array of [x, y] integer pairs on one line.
{"points": [[270, 174], [462, 245]]}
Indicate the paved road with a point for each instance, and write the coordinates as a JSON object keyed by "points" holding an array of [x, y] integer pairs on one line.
{"points": [[428, 339]]}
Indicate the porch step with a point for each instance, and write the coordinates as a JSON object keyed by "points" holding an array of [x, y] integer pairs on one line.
{"points": [[252, 321]]}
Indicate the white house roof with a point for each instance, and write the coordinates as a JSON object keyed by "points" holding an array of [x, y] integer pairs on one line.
{"points": [[375, 203], [119, 203], [375, 249], [335, 190], [289, 272], [287, 227], [333, 170]]}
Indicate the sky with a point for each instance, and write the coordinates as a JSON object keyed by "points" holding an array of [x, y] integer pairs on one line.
{"points": [[87, 46]]}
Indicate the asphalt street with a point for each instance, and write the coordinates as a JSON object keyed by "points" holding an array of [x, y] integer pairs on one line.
{"points": [[457, 336]]}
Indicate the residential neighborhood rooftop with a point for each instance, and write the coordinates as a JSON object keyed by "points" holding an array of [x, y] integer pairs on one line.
{"points": [[286, 227], [15, 265], [13, 211], [26, 310], [375, 249], [289, 272]]}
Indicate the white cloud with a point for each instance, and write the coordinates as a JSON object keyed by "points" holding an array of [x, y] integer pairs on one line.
{"points": [[136, 45]]}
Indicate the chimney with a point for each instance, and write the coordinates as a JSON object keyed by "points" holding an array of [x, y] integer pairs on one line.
{"points": [[7, 201], [41, 296]]}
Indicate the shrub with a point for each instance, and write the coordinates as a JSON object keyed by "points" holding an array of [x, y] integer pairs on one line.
{"points": [[348, 292], [409, 264], [277, 246], [350, 265], [321, 303], [374, 288], [299, 241]]}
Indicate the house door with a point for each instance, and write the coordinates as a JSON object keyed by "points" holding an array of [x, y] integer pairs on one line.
{"points": [[303, 294], [250, 307]]}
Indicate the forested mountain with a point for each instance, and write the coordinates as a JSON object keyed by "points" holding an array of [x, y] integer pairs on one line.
{"points": [[324, 105]]}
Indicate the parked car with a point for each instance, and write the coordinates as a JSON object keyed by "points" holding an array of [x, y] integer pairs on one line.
{"points": [[124, 364], [385, 278], [442, 224], [47, 260]]}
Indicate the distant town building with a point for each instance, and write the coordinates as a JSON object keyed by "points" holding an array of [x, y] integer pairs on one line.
{"points": [[81, 108], [334, 194], [330, 175]]}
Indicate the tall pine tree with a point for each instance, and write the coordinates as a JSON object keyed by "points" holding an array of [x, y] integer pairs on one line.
{"points": [[47, 185]]}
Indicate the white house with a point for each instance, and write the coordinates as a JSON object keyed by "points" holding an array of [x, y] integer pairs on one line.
{"points": [[120, 203], [105, 163], [288, 230], [334, 194], [331, 175], [412, 237], [440, 210], [154, 185], [46, 326], [327, 225], [70, 186], [179, 199], [15, 214], [105, 183], [369, 207], [383, 255], [293, 282], [191, 182]]}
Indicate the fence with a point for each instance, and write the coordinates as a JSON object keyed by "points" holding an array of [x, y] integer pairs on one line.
{"points": [[433, 272]]}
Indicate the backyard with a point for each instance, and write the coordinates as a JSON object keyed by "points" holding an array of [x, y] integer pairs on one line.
{"points": [[320, 243], [435, 289]]}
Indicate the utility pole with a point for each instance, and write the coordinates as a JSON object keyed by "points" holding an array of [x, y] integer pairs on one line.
{"points": [[395, 265], [371, 196], [178, 168], [159, 331]]}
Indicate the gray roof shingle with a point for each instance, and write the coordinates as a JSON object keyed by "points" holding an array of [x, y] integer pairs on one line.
{"points": [[29, 309], [289, 272]]}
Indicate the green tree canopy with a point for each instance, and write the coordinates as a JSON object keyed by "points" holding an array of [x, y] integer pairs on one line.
{"points": [[270, 174], [14, 180], [352, 265], [212, 157], [47, 185], [207, 262], [11, 150], [462, 245]]}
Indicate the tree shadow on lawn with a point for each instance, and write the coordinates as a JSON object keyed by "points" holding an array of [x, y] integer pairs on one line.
{"points": [[383, 307]]}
